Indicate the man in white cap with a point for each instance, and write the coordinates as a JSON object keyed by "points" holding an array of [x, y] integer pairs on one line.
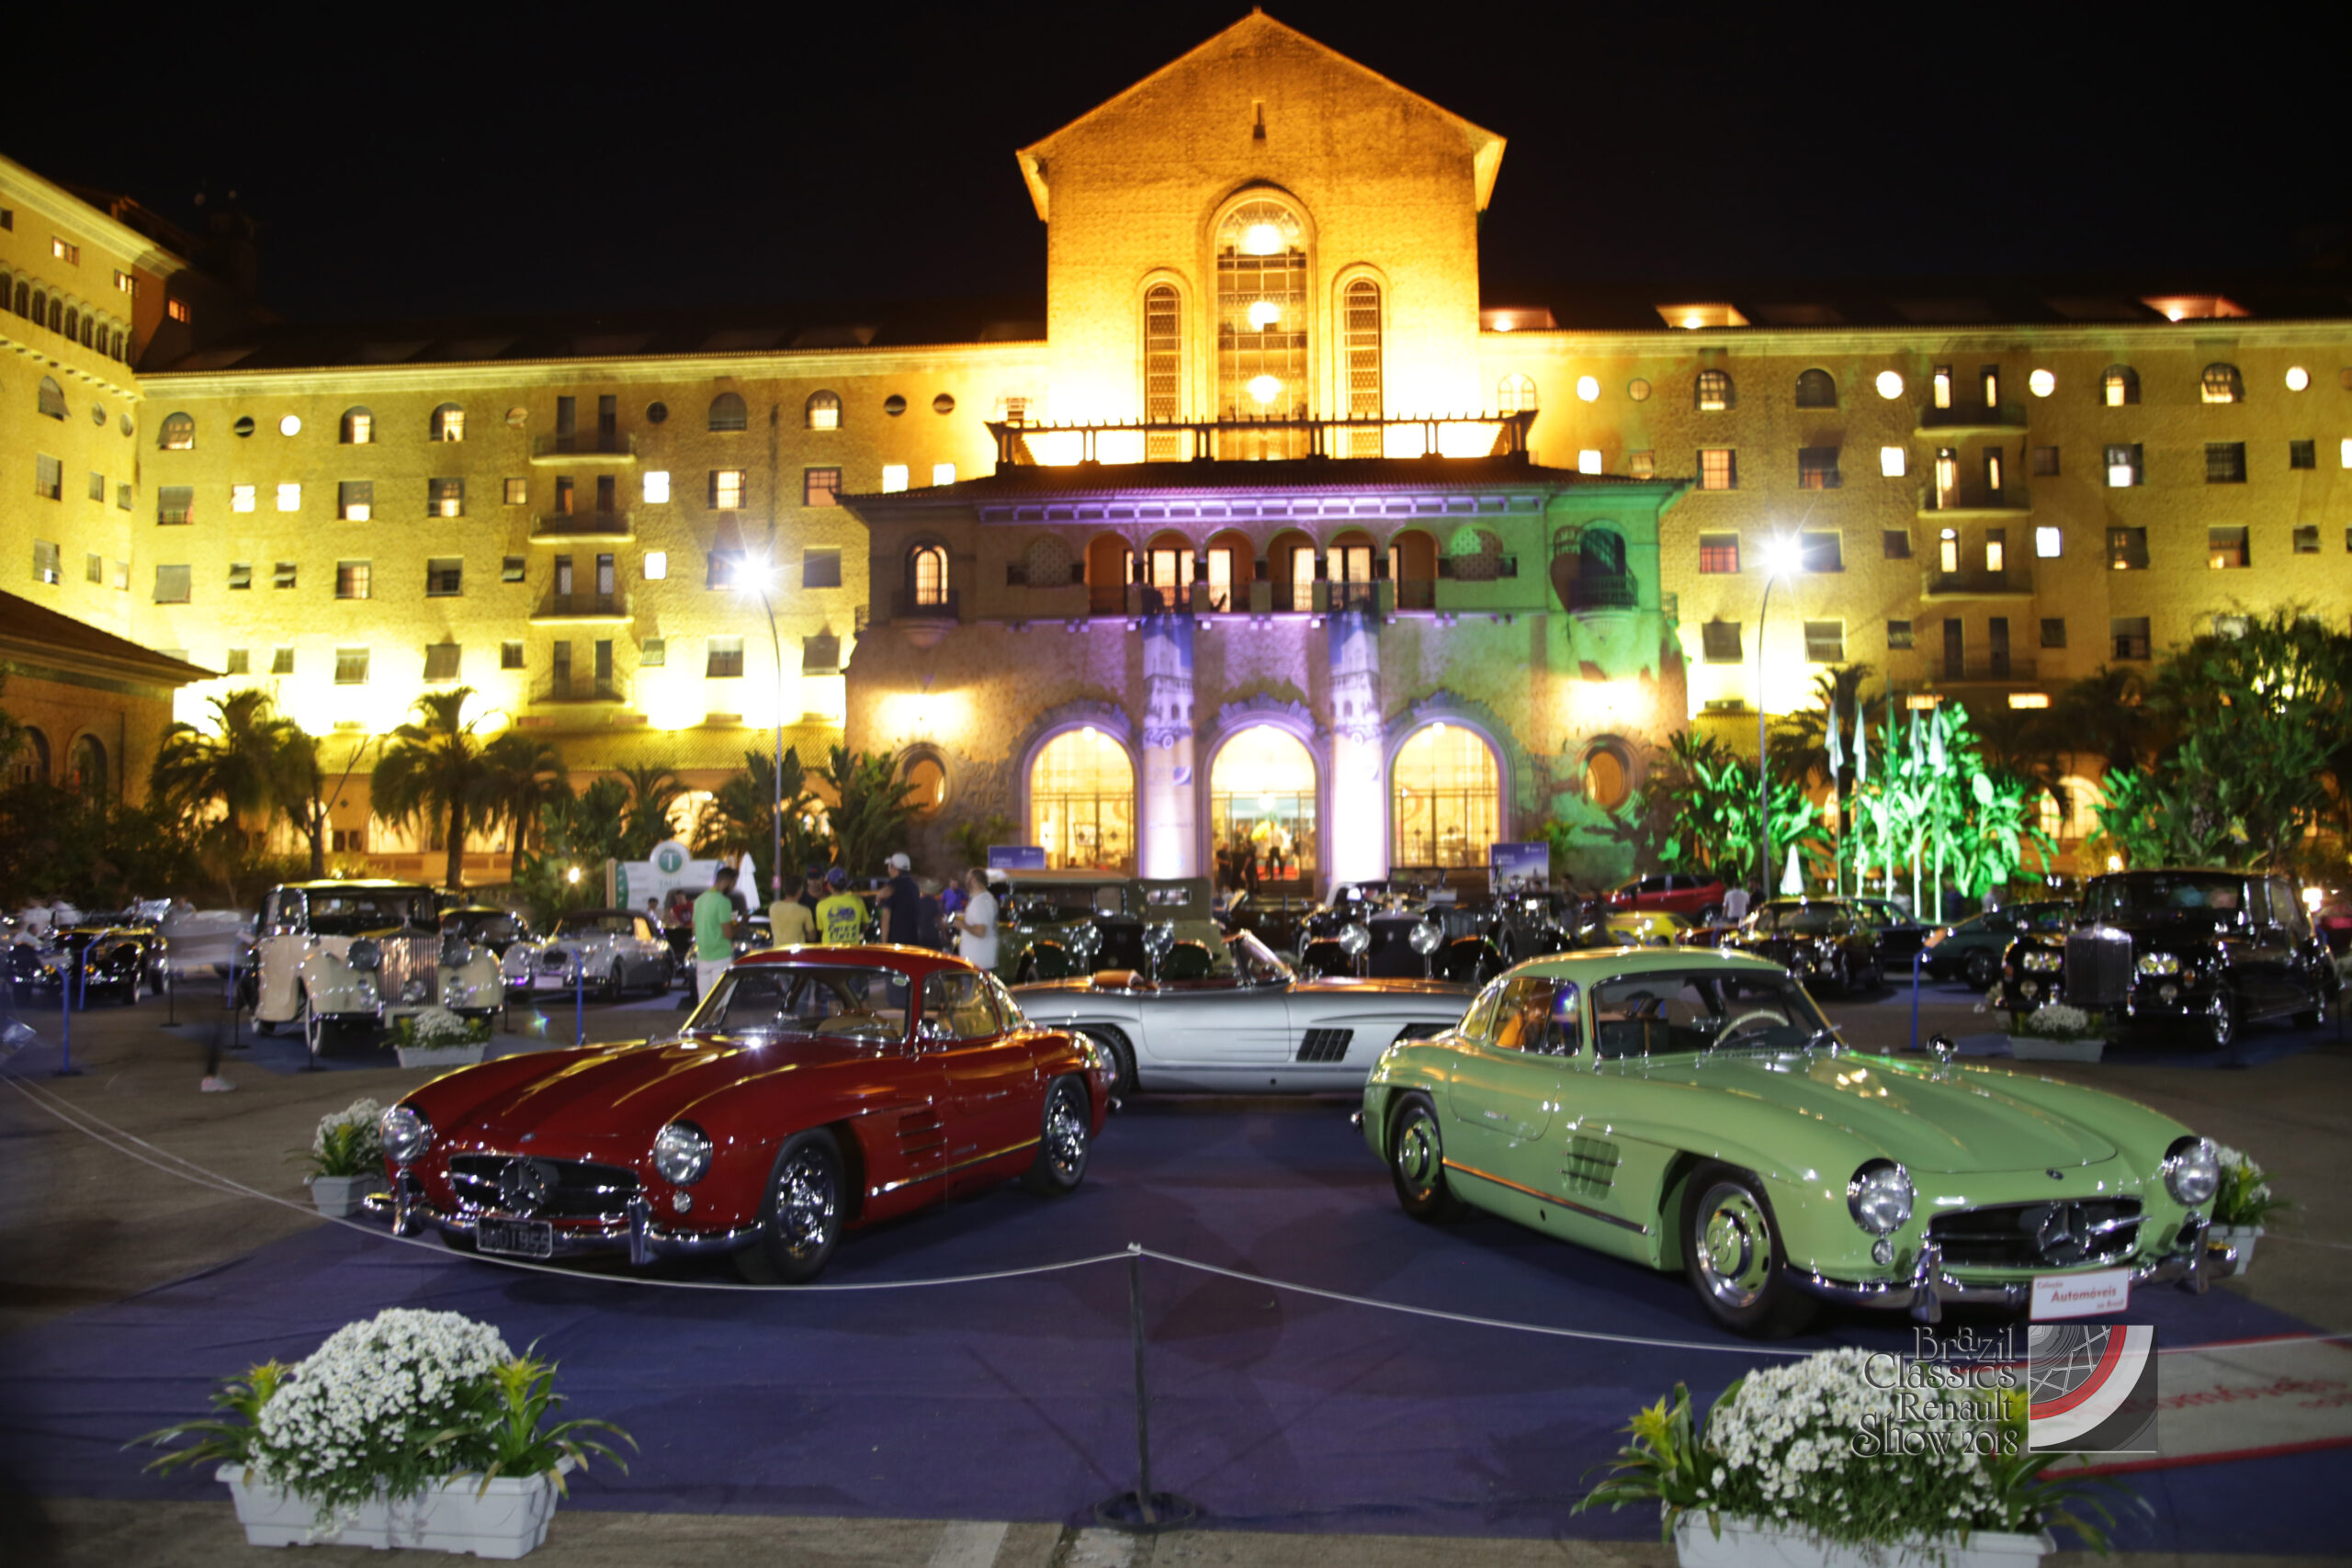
{"points": [[901, 902]]}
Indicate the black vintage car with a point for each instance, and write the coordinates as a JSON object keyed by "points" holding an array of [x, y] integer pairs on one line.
{"points": [[111, 956], [1820, 940], [2206, 948], [1397, 930], [1971, 950]]}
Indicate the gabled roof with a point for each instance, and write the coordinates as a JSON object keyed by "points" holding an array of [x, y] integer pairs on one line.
{"points": [[34, 637], [1486, 147]]}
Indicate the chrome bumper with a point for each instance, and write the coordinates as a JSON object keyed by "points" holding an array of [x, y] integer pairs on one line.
{"points": [[2194, 1263], [635, 1233]]}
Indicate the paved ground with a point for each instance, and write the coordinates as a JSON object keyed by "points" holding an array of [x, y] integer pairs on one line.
{"points": [[83, 1228]]}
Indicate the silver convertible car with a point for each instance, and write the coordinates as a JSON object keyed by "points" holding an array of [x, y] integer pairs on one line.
{"points": [[618, 950], [1244, 1020]]}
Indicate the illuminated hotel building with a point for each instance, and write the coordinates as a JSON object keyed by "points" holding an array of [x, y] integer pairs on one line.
{"points": [[1263, 528]]}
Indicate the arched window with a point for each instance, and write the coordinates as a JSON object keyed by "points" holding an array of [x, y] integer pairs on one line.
{"points": [[1412, 567], [1110, 565], [1163, 369], [1603, 581], [1515, 395], [53, 398], [86, 772], [358, 427], [89, 327], [822, 412], [2120, 386], [178, 432], [41, 308], [728, 412], [1263, 371], [1082, 801], [1167, 571], [1261, 806], [1446, 798], [449, 422], [74, 328], [119, 353], [2223, 385], [927, 574], [31, 763], [1817, 390], [57, 312], [1713, 393], [1364, 367], [24, 299]]}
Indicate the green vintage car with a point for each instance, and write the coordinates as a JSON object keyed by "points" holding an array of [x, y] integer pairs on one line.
{"points": [[1693, 1111]]}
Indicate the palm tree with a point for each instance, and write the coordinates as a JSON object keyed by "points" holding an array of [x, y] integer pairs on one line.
{"points": [[434, 768], [877, 803], [652, 790], [525, 773], [2106, 714], [241, 765], [1801, 743], [741, 818]]}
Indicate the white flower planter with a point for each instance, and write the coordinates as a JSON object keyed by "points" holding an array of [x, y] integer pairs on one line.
{"points": [[2242, 1237], [1746, 1544], [2040, 1048], [440, 1055], [507, 1520], [339, 1197]]}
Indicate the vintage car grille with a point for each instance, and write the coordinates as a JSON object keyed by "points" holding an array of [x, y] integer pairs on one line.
{"points": [[1325, 1045], [543, 1189], [407, 958], [2098, 968], [2062, 1235]]}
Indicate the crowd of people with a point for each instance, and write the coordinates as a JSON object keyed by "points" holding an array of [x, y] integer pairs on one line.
{"points": [[909, 910]]}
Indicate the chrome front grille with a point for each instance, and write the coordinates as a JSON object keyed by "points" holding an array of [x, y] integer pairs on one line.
{"points": [[407, 958], [2098, 968], [541, 1188], [2064, 1234]]}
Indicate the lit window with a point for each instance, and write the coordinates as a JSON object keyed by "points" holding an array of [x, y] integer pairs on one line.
{"points": [[2221, 384], [282, 575], [1515, 394], [2123, 468], [1163, 364], [290, 425], [2127, 550], [441, 660], [2046, 541], [1713, 393], [657, 565], [127, 283], [1997, 550], [1718, 553], [1719, 642], [1641, 465], [894, 478], [518, 492], [445, 498], [1990, 377], [445, 577], [350, 666], [726, 489], [449, 423], [176, 309], [176, 503], [1942, 382], [2226, 549], [1588, 389], [48, 562], [240, 497], [1817, 467], [657, 486], [358, 427], [351, 579], [1948, 551], [2348, 452], [1993, 469], [2041, 383], [724, 659], [65, 251], [178, 432], [822, 411], [927, 574], [943, 473], [1718, 469], [355, 499], [1890, 384], [820, 487], [1894, 461], [1588, 460], [2120, 386]]}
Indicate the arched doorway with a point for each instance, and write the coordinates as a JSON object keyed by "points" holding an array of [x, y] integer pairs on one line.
{"points": [[1082, 801], [1412, 567], [1446, 798], [86, 772], [1261, 806]]}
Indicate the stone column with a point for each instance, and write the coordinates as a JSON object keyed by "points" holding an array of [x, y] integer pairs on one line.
{"points": [[1169, 837], [1355, 840]]}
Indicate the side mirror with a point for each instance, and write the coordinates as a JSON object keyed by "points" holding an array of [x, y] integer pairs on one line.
{"points": [[1941, 1044]]}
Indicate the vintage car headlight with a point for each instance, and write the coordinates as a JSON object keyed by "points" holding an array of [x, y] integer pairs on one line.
{"points": [[1879, 1197], [417, 990], [406, 1134], [2160, 964], [1353, 939], [456, 952], [2041, 960], [681, 1154], [1426, 938], [2193, 1170], [1084, 939], [365, 954]]}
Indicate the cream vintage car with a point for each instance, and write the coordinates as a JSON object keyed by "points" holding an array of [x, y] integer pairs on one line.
{"points": [[338, 954]]}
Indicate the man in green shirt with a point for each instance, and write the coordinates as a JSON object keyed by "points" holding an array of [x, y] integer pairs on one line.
{"points": [[714, 931]]}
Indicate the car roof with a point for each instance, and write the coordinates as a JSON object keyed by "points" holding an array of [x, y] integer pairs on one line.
{"points": [[353, 885], [565, 915], [896, 956], [1641, 961]]}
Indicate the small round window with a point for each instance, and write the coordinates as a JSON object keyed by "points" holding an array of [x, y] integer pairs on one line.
{"points": [[516, 416], [99, 415], [942, 404], [1606, 783], [894, 405], [930, 781], [656, 412], [244, 425], [290, 425], [1637, 389]]}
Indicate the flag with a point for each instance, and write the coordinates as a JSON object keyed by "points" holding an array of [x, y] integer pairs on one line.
{"points": [[1861, 747], [1836, 752]]}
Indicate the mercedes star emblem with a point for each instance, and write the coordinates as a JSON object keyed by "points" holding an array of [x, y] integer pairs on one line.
{"points": [[524, 1185]]}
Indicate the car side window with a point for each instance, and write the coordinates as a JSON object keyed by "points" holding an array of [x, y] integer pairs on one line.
{"points": [[1005, 1006], [1478, 1024], [2287, 909], [959, 1000], [1539, 1015]]}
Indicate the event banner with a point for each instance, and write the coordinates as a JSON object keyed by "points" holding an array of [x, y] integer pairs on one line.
{"points": [[632, 884], [1513, 867], [1016, 857]]}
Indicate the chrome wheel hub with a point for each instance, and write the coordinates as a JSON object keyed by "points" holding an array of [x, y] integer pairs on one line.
{"points": [[805, 1203], [1066, 1134], [1734, 1248], [1417, 1152]]}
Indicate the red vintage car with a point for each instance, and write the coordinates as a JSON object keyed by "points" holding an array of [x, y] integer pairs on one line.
{"points": [[1680, 894], [813, 1090]]}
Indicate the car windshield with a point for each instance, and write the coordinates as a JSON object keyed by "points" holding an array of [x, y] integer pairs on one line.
{"points": [[482, 927], [1666, 1011], [853, 1001], [356, 914], [591, 921], [1253, 961], [2048, 916], [2167, 892], [1799, 920]]}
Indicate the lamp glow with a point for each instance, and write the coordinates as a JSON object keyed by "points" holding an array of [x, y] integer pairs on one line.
{"points": [[1261, 240], [1782, 556], [2043, 383], [1890, 385], [1264, 313], [1265, 389], [1588, 389]]}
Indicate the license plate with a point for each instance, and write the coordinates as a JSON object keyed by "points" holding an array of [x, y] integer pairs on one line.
{"points": [[516, 1238], [2081, 1295]]}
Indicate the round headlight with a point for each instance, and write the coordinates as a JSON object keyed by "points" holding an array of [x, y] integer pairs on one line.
{"points": [[456, 952], [2193, 1170], [405, 1132], [1084, 939], [1426, 938], [1353, 939], [365, 954], [1879, 1197], [681, 1154]]}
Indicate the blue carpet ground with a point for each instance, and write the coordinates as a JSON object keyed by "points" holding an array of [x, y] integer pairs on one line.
{"points": [[1015, 1399]]}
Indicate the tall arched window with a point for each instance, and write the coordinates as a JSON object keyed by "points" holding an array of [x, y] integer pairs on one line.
{"points": [[927, 575], [1817, 390], [31, 764], [41, 308], [1163, 369], [1714, 393], [24, 297], [73, 325], [57, 312], [449, 422], [1446, 798], [53, 398], [178, 432], [1261, 805], [358, 427], [2223, 385], [1082, 802], [1364, 367], [86, 772], [728, 412], [1516, 394], [1262, 366], [822, 412], [2120, 386]]}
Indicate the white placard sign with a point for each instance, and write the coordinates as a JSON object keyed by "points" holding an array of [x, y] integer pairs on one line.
{"points": [[2081, 1295]]}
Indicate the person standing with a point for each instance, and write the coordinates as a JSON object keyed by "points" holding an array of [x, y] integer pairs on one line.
{"points": [[931, 930], [901, 903], [792, 922], [976, 923], [714, 931], [841, 914]]}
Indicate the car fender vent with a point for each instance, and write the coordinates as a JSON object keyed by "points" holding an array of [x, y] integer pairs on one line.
{"points": [[1590, 1167], [1325, 1045]]}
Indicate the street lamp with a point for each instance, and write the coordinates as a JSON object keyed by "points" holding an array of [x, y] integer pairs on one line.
{"points": [[1781, 558], [754, 581]]}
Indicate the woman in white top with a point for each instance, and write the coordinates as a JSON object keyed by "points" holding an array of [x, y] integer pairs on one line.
{"points": [[976, 922]]}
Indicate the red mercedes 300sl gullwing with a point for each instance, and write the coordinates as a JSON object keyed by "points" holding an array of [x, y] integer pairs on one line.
{"points": [[814, 1089]]}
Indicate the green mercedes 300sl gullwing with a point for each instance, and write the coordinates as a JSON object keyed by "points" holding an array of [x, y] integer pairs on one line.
{"points": [[1694, 1111]]}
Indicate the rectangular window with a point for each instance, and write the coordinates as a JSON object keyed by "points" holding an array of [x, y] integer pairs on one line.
{"points": [[240, 662], [171, 585], [176, 503], [654, 653], [820, 655], [242, 496], [441, 660], [2123, 468], [290, 498], [518, 492], [65, 251], [725, 660], [2225, 462], [726, 568], [820, 568], [2127, 549], [1719, 641], [2307, 541], [445, 498], [1948, 551], [2047, 540], [122, 575], [94, 570], [944, 473], [2226, 549], [2045, 462], [1643, 464], [176, 309], [1825, 642], [657, 565], [2302, 454], [1718, 553], [1899, 636], [358, 428], [1993, 469], [1816, 467], [511, 569], [49, 478], [350, 841], [820, 487], [47, 563], [726, 489], [283, 576], [282, 662], [1943, 386], [2053, 631], [122, 498], [1820, 551], [444, 576], [1896, 542], [1718, 469], [1997, 550], [1893, 462], [1590, 461], [355, 499], [98, 487], [241, 575], [563, 487], [350, 666], [894, 478], [657, 486], [1990, 376], [351, 579], [2128, 637], [510, 655]]}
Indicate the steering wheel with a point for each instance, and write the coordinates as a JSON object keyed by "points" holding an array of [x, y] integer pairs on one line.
{"points": [[1770, 1019], [1641, 1004]]}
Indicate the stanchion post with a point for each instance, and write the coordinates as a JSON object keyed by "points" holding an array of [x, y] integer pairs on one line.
{"points": [[1915, 1000], [1143, 1394], [66, 1018], [579, 1000]]}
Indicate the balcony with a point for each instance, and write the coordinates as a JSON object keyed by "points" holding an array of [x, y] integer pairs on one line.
{"points": [[1230, 440], [566, 686], [906, 604], [1981, 668], [1967, 417], [1610, 592], [583, 607], [2012, 582], [594, 447], [582, 528], [1974, 500]]}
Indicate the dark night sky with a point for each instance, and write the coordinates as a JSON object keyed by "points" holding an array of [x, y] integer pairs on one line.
{"points": [[469, 159]]}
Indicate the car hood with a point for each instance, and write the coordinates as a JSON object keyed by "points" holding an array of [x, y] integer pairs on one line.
{"points": [[624, 1093], [1956, 1125]]}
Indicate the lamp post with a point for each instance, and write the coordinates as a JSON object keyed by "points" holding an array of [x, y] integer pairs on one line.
{"points": [[1781, 559], [755, 582]]}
